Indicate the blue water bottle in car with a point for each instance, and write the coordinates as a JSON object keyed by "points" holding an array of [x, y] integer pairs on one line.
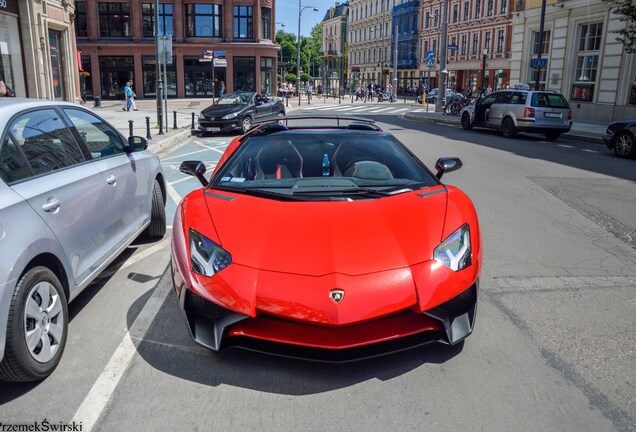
{"points": [[326, 165]]}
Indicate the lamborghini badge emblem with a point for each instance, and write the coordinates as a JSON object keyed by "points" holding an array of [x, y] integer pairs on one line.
{"points": [[336, 295]]}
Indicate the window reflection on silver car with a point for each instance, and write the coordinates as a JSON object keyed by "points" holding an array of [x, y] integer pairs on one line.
{"points": [[74, 193]]}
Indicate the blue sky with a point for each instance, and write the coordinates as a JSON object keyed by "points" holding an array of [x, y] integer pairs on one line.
{"points": [[287, 12]]}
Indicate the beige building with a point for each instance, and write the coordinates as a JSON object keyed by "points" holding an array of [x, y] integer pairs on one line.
{"points": [[585, 62], [333, 50], [38, 57]]}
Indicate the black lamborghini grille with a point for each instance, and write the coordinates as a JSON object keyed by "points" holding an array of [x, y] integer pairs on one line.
{"points": [[462, 302], [197, 305]]}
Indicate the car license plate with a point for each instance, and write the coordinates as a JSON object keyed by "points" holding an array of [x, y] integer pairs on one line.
{"points": [[552, 115], [212, 129]]}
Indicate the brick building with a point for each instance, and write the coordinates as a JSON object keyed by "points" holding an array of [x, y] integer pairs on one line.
{"points": [[116, 40]]}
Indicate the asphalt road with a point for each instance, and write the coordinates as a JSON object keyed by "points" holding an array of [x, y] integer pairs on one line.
{"points": [[553, 348]]}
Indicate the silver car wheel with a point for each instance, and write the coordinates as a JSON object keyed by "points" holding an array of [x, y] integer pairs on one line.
{"points": [[44, 322], [624, 144]]}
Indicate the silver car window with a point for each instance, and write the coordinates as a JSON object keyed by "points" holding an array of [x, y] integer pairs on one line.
{"points": [[46, 141], [13, 165], [101, 139]]}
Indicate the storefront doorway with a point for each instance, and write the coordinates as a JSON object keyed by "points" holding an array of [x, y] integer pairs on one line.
{"points": [[58, 62], [115, 71]]}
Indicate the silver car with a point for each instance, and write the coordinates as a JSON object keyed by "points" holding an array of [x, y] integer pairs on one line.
{"points": [[74, 193], [518, 110]]}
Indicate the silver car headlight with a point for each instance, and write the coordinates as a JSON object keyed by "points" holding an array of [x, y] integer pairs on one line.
{"points": [[207, 258], [230, 116], [201, 117], [455, 252]]}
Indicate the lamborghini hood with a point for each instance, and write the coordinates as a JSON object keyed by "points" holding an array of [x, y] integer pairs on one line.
{"points": [[320, 238]]}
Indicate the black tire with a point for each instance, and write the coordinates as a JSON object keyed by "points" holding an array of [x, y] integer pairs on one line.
{"points": [[624, 145], [157, 227], [508, 128], [455, 109], [22, 362], [466, 124], [246, 123], [552, 135]]}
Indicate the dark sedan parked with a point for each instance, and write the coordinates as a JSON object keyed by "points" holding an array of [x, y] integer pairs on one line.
{"points": [[621, 137], [239, 111]]}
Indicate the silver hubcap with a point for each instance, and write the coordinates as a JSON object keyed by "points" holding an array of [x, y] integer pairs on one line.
{"points": [[624, 144], [246, 124], [43, 322]]}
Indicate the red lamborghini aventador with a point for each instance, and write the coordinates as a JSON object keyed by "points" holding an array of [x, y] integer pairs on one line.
{"points": [[326, 242]]}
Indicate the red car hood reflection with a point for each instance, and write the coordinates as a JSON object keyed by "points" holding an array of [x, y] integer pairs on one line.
{"points": [[320, 238]]}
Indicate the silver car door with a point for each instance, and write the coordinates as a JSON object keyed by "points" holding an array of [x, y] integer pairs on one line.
{"points": [[66, 191], [126, 179], [498, 109]]}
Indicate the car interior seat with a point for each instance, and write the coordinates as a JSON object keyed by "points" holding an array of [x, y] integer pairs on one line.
{"points": [[278, 161]]}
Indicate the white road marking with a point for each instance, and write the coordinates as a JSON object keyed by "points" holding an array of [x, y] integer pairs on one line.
{"points": [[565, 146], [172, 192], [590, 151], [185, 154], [97, 398], [216, 149], [146, 252]]}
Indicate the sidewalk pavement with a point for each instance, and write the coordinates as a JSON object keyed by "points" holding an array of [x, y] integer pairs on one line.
{"points": [[585, 131]]}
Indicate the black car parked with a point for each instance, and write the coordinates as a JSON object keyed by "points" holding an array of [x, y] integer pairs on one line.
{"points": [[238, 111], [621, 137]]}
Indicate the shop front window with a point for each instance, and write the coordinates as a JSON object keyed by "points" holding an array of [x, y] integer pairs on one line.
{"points": [[115, 71], [11, 71], [267, 75], [149, 67], [244, 74], [57, 64], [587, 60]]}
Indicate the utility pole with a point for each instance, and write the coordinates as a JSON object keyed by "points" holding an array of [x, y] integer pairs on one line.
{"points": [[395, 57], [540, 48], [158, 66], [441, 94]]}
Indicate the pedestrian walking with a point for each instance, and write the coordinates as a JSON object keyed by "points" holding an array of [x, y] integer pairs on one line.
{"points": [[134, 96], [222, 91], [128, 94], [308, 90]]}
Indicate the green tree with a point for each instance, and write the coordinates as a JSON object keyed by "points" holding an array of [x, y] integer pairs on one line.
{"points": [[291, 78], [627, 10]]}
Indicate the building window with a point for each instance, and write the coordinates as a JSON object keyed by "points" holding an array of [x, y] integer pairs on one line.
{"points": [[428, 20], [436, 18], [490, 8], [500, 41], [266, 23], [165, 19], [590, 38], [243, 22], [477, 9], [503, 5], [464, 44], [114, 19], [487, 41], [455, 12], [475, 46], [466, 11], [149, 68], [81, 24], [587, 58], [545, 45], [203, 20]]}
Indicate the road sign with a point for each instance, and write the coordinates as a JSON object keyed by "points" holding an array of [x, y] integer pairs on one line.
{"points": [[219, 54], [430, 58], [539, 63]]}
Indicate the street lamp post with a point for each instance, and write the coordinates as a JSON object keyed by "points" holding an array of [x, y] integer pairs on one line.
{"points": [[441, 94], [301, 8], [484, 54]]}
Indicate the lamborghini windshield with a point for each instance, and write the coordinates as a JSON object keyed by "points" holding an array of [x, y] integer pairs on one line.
{"points": [[323, 165]]}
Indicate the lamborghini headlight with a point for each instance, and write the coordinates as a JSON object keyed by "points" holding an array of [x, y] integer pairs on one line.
{"points": [[455, 252], [230, 116], [207, 258]]}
